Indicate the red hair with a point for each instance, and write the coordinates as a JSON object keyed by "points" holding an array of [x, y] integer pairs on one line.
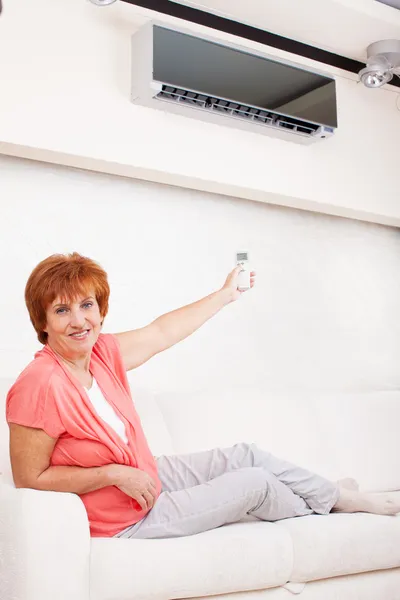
{"points": [[66, 276]]}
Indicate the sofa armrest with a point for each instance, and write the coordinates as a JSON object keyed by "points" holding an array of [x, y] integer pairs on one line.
{"points": [[44, 545]]}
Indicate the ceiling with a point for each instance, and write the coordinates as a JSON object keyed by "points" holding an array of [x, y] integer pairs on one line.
{"points": [[345, 27]]}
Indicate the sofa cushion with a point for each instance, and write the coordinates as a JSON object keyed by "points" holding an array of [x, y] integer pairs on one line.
{"points": [[284, 424], [243, 556], [377, 585], [152, 421], [362, 437], [334, 434], [341, 544]]}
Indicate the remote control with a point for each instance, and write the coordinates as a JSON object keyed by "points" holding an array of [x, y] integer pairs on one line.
{"points": [[242, 259]]}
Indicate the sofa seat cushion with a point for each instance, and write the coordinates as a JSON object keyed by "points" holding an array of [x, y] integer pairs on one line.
{"points": [[238, 557], [376, 585], [342, 544]]}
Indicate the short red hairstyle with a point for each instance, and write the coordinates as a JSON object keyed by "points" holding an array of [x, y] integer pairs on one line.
{"points": [[66, 276]]}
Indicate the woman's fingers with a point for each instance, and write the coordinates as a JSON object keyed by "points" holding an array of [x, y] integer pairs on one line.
{"points": [[141, 500], [145, 499], [153, 489], [149, 499], [141, 487]]}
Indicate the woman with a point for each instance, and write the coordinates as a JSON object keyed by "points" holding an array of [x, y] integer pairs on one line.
{"points": [[74, 428]]}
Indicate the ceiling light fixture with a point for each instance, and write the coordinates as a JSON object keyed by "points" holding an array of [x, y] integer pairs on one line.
{"points": [[102, 2], [383, 61]]}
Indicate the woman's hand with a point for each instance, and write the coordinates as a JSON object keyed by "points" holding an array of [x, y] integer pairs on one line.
{"points": [[230, 286], [134, 483]]}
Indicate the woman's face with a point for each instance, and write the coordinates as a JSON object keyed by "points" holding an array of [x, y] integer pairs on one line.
{"points": [[73, 326]]}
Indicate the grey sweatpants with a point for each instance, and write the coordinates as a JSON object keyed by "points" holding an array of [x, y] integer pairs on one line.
{"points": [[205, 490]]}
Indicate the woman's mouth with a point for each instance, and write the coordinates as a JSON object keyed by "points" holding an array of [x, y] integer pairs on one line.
{"points": [[80, 335]]}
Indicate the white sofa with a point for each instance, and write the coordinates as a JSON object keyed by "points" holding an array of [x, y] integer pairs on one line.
{"points": [[46, 552]]}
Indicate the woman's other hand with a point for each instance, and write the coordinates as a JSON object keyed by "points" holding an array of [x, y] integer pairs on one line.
{"points": [[135, 483]]}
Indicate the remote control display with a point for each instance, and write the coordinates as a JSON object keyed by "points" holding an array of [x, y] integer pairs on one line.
{"points": [[242, 256]]}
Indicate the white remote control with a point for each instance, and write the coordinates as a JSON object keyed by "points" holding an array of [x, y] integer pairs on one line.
{"points": [[242, 259]]}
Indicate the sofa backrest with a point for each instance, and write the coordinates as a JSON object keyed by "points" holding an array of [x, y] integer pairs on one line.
{"points": [[149, 412], [338, 435]]}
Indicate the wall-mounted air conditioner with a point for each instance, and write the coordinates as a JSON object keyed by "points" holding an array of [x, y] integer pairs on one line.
{"points": [[200, 77]]}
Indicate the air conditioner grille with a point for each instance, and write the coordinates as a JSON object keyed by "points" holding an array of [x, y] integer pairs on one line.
{"points": [[233, 109]]}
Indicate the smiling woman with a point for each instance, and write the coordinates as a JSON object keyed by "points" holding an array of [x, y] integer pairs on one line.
{"points": [[72, 328], [59, 281], [74, 427]]}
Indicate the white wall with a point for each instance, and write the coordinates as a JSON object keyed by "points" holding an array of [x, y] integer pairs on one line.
{"points": [[65, 81], [324, 314]]}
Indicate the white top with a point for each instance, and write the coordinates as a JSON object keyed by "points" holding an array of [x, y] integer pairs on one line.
{"points": [[105, 410]]}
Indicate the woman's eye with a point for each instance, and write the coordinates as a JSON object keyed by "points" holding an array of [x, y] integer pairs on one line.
{"points": [[60, 311], [88, 305]]}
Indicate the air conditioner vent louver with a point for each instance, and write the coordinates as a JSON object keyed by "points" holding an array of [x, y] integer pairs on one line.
{"points": [[233, 109], [244, 90]]}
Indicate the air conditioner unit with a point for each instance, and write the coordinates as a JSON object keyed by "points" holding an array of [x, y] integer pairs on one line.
{"points": [[203, 78]]}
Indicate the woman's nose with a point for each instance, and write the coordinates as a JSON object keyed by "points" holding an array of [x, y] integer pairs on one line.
{"points": [[77, 318]]}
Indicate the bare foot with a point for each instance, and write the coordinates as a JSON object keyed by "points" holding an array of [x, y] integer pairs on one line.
{"points": [[380, 504], [348, 484]]}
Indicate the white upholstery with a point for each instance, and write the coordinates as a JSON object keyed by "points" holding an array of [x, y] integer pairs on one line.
{"points": [[46, 551], [44, 546], [340, 544], [194, 565], [378, 585], [337, 435], [153, 422], [362, 436]]}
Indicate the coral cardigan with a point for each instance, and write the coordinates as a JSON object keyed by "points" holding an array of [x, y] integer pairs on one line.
{"points": [[47, 396]]}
